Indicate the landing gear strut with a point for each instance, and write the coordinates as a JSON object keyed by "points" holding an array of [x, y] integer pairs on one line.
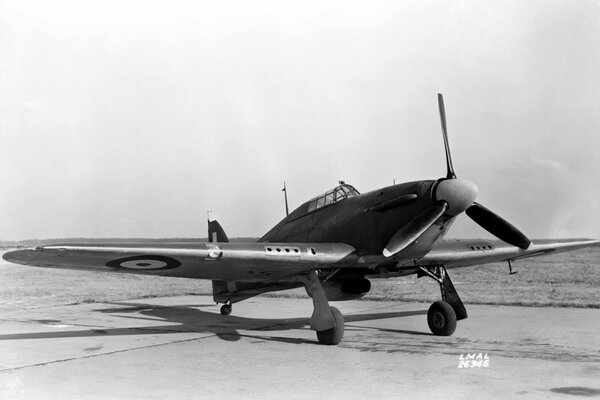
{"points": [[443, 315], [327, 321], [226, 308]]}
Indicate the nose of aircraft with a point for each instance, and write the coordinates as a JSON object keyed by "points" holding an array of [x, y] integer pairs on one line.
{"points": [[458, 193]]}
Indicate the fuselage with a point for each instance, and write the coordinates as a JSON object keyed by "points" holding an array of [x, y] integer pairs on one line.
{"points": [[365, 221]]}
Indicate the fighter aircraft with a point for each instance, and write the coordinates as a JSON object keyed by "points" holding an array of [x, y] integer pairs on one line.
{"points": [[332, 245]]}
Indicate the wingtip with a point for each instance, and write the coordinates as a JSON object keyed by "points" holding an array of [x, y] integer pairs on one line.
{"points": [[21, 256]]}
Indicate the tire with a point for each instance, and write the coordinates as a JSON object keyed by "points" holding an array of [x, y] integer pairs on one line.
{"points": [[226, 309], [441, 319], [334, 335]]}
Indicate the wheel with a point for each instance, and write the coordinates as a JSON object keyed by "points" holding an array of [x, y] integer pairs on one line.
{"points": [[226, 309], [441, 319], [334, 335]]}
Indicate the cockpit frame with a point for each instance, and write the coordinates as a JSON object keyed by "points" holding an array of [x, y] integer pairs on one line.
{"points": [[332, 196]]}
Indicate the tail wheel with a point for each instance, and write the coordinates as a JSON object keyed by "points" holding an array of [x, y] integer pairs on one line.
{"points": [[226, 309], [441, 319], [334, 335]]}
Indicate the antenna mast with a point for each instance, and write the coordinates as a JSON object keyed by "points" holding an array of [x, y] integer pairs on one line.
{"points": [[284, 190]]}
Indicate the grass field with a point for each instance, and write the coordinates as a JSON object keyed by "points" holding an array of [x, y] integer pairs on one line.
{"points": [[562, 280]]}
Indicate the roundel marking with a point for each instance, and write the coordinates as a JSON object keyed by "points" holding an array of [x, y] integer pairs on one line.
{"points": [[144, 262], [148, 264], [214, 252]]}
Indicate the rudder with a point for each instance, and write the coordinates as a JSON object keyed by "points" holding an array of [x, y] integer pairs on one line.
{"points": [[216, 233]]}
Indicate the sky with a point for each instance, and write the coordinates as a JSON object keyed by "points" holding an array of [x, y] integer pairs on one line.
{"points": [[134, 118]]}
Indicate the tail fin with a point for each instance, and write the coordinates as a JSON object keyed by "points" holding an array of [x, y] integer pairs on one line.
{"points": [[216, 232], [221, 289]]}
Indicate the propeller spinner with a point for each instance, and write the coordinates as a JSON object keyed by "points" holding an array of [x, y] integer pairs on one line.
{"points": [[453, 196]]}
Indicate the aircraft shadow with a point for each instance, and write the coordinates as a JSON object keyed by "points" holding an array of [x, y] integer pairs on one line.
{"points": [[190, 318]]}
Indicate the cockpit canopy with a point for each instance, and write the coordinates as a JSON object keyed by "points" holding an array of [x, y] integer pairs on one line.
{"points": [[338, 193]]}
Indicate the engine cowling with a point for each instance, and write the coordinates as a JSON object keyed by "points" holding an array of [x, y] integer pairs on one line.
{"points": [[346, 288]]}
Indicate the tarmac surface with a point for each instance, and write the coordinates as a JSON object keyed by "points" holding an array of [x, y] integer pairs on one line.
{"points": [[182, 348]]}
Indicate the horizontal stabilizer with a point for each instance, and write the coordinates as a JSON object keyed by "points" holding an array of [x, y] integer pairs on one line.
{"points": [[235, 291]]}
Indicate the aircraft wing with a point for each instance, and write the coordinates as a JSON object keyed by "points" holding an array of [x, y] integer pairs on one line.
{"points": [[222, 261], [466, 253], [265, 261]]}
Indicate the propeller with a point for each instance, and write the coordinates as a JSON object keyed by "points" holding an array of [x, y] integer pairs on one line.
{"points": [[449, 167], [414, 228], [452, 196], [497, 226]]}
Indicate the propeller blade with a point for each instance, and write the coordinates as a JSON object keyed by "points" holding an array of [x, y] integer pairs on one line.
{"points": [[497, 226], [414, 228], [449, 166]]}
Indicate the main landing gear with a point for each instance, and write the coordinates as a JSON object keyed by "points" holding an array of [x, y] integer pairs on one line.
{"points": [[441, 319], [443, 315], [327, 321]]}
